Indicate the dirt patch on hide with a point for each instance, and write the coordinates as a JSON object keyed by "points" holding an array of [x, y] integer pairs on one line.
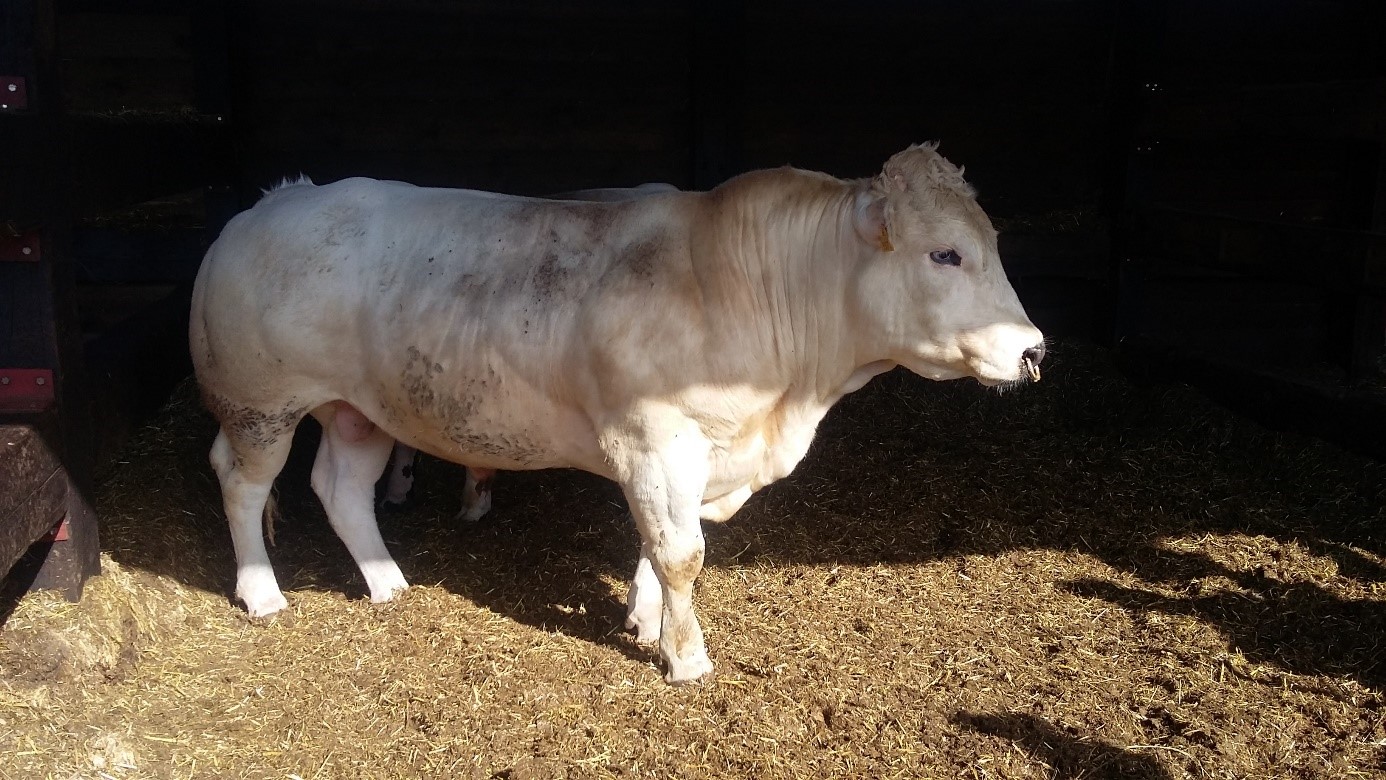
{"points": [[249, 426], [1078, 579]]}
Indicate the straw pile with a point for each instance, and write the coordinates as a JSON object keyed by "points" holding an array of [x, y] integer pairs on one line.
{"points": [[1081, 579]]}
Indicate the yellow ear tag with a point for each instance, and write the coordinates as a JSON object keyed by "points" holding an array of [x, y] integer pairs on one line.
{"points": [[883, 239]]}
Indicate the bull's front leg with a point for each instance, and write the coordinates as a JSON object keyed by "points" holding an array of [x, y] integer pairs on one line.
{"points": [[644, 602], [663, 479]]}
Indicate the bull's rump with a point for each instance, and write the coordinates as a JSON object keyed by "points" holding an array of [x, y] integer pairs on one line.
{"points": [[459, 322]]}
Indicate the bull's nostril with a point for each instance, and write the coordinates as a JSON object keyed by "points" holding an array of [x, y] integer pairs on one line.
{"points": [[1030, 361]]}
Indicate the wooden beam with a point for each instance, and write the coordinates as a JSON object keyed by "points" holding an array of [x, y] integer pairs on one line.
{"points": [[119, 163], [34, 494], [1330, 258], [39, 308]]}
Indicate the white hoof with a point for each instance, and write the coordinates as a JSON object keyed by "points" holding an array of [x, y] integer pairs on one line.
{"points": [[476, 509], [260, 605], [684, 671], [384, 581], [389, 595], [645, 623], [386, 593]]}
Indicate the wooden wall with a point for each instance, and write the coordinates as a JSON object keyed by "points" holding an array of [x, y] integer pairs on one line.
{"points": [[1259, 180], [524, 97], [547, 96]]}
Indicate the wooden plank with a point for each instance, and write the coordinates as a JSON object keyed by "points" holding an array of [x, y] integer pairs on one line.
{"points": [[1348, 267], [129, 89], [106, 255], [921, 54], [1344, 109], [33, 486], [117, 163], [1308, 180], [1353, 419], [552, 128], [1281, 42], [120, 62], [125, 35], [514, 33], [1348, 260]]}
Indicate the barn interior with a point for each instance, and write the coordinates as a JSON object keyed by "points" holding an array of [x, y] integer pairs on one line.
{"points": [[1194, 188]]}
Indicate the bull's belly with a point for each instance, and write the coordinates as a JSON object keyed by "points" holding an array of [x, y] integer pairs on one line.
{"points": [[510, 448], [486, 422]]}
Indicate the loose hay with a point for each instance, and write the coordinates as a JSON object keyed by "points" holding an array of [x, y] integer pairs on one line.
{"points": [[1083, 579]]}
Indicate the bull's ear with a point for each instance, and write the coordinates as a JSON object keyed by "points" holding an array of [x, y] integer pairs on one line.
{"points": [[872, 221]]}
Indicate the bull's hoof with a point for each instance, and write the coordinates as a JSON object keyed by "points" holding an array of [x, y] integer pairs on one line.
{"points": [[476, 510], [391, 506], [389, 594], [691, 671], [264, 605], [646, 627]]}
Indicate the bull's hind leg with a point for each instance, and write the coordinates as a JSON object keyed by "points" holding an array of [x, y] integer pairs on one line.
{"points": [[399, 482], [351, 457], [476, 494], [246, 468], [644, 601]]}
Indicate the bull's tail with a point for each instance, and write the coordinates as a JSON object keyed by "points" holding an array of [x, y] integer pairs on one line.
{"points": [[271, 514]]}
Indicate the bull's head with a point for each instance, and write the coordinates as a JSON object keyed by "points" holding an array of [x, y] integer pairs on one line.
{"points": [[933, 292]]}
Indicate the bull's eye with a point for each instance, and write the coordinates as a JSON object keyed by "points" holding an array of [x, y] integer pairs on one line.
{"points": [[946, 257]]}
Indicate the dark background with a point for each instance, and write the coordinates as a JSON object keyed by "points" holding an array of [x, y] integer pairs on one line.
{"points": [[1196, 183]]}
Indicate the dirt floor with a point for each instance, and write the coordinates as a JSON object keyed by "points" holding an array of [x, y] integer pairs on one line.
{"points": [[1079, 579]]}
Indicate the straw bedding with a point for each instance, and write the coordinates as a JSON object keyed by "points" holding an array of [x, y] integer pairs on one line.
{"points": [[1079, 579]]}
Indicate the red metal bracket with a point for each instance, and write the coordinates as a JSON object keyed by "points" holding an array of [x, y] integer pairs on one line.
{"points": [[25, 389], [59, 532], [14, 93], [23, 248]]}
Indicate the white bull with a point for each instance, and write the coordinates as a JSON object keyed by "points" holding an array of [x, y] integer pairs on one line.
{"points": [[685, 345]]}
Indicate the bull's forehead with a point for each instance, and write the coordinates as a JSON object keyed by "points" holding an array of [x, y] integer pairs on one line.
{"points": [[950, 219]]}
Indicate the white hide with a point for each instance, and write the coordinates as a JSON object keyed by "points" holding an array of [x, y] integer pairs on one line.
{"points": [[685, 345]]}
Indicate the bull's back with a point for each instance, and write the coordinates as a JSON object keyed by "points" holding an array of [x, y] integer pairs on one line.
{"points": [[448, 317]]}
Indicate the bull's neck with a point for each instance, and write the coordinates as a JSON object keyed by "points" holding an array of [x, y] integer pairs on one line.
{"points": [[796, 250]]}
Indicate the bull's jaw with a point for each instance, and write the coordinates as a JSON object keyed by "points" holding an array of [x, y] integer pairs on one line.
{"points": [[934, 371], [986, 374]]}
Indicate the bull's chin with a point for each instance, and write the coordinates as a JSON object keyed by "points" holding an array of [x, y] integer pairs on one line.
{"points": [[989, 374], [989, 377], [985, 373], [935, 371]]}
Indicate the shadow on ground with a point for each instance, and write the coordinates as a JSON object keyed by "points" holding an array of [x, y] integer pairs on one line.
{"points": [[1071, 756]]}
